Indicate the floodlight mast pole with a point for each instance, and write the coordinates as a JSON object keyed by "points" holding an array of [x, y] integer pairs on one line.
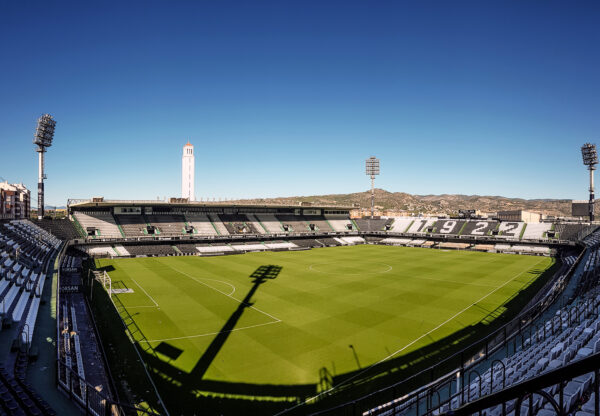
{"points": [[372, 169], [590, 159], [44, 133]]}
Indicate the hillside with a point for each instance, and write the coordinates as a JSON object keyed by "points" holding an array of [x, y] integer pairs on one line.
{"points": [[429, 204]]}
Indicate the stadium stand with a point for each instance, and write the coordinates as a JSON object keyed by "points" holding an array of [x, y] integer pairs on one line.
{"points": [[295, 223], [453, 246], [367, 224], [151, 250], [395, 241], [61, 228], [339, 224], [511, 229], [26, 253], [451, 227], [421, 225], [536, 231], [327, 241], [570, 231], [187, 248], [168, 224], [201, 223], [401, 224], [214, 249], [479, 228], [132, 225], [218, 224], [237, 224], [321, 224], [271, 223], [104, 223], [256, 224]]}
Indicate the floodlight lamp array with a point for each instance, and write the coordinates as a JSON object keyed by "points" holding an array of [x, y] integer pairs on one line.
{"points": [[372, 166], [44, 133], [589, 154]]}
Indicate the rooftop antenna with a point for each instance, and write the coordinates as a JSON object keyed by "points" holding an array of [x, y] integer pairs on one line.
{"points": [[44, 133]]}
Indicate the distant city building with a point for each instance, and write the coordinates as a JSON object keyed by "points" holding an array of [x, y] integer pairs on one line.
{"points": [[519, 215], [187, 172], [14, 201]]}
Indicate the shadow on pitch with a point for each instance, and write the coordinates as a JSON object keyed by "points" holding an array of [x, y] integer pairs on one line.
{"points": [[185, 393]]}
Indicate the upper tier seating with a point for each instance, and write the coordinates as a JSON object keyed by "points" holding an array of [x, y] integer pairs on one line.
{"points": [[132, 225], [340, 224], [271, 223], [201, 223], [401, 224], [511, 229], [103, 222], [569, 231], [367, 224], [450, 227], [536, 230], [421, 225], [61, 228], [256, 224], [168, 224], [218, 224], [321, 223], [479, 227], [296, 223], [237, 224]]}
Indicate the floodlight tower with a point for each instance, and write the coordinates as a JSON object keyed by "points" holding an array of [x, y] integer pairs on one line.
{"points": [[372, 169], [44, 133], [590, 159]]}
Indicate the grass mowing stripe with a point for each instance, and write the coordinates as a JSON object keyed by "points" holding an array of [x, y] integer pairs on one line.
{"points": [[356, 375]]}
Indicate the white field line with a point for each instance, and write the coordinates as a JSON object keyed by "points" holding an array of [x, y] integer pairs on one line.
{"points": [[143, 290], [227, 294], [211, 333], [412, 342], [310, 267]]}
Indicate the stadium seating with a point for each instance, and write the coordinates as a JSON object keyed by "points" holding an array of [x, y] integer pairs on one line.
{"points": [[536, 230], [256, 224], [450, 227], [167, 224], [61, 228], [478, 228], [237, 224], [201, 223], [421, 225], [151, 250], [570, 231], [295, 223], [511, 229], [271, 223], [367, 224], [339, 224], [132, 225], [218, 224], [401, 224], [103, 222]]}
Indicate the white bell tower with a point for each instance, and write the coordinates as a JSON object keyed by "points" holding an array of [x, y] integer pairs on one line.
{"points": [[187, 172]]}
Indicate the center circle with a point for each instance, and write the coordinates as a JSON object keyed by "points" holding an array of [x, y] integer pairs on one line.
{"points": [[350, 268]]}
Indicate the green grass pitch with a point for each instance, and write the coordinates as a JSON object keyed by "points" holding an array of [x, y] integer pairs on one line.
{"points": [[231, 319]]}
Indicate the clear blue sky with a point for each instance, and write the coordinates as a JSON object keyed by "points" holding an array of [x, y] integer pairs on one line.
{"points": [[288, 98]]}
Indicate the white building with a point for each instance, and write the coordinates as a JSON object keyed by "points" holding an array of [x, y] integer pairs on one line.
{"points": [[187, 172]]}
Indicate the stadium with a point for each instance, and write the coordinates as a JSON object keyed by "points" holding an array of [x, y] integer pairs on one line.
{"points": [[434, 298]]}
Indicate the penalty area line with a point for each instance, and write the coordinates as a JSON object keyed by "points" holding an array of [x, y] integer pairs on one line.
{"points": [[150, 297]]}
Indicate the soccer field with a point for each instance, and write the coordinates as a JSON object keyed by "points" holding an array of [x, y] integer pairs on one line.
{"points": [[280, 317]]}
